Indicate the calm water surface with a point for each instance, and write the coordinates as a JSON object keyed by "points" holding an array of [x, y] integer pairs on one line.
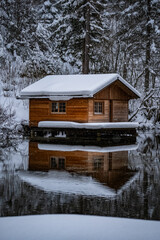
{"points": [[121, 181]]}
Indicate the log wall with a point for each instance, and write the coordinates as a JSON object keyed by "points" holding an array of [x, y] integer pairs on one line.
{"points": [[112, 92], [105, 117], [40, 110], [119, 111]]}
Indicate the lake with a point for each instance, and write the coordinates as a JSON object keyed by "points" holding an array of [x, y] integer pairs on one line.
{"points": [[116, 180]]}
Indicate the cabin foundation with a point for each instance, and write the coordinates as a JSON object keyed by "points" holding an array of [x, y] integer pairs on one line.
{"points": [[84, 136]]}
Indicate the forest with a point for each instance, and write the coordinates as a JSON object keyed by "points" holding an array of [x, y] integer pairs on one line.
{"points": [[41, 37]]}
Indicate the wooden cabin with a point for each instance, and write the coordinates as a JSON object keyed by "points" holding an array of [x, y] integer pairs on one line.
{"points": [[92, 98]]}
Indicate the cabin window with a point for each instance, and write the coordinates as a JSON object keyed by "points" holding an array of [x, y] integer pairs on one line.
{"points": [[57, 163], [54, 163], [98, 162], [98, 107], [61, 163], [62, 107], [58, 107], [55, 107]]}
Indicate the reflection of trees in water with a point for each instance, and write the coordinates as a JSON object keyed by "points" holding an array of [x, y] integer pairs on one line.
{"points": [[147, 160], [139, 200]]}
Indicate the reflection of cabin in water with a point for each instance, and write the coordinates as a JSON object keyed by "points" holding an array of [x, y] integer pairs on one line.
{"points": [[92, 98], [108, 166]]}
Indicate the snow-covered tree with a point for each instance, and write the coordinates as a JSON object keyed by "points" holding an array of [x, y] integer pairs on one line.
{"points": [[80, 30], [137, 33]]}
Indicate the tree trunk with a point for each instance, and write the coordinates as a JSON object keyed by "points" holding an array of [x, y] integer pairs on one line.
{"points": [[85, 67], [125, 67], [148, 47], [117, 56]]}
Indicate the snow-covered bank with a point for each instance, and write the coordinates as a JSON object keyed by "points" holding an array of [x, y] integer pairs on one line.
{"points": [[59, 227], [14, 114], [16, 108]]}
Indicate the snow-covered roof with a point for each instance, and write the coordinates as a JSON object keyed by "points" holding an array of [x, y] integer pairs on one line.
{"points": [[85, 85]]}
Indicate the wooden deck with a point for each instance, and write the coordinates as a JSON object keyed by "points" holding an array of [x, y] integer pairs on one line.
{"points": [[102, 137]]}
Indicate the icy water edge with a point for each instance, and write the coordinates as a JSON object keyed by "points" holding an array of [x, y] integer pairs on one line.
{"points": [[121, 181]]}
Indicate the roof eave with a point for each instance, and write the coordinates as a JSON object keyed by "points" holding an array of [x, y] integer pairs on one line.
{"points": [[54, 96]]}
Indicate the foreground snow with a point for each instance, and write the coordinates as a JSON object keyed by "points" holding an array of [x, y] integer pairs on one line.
{"points": [[65, 124], [79, 227]]}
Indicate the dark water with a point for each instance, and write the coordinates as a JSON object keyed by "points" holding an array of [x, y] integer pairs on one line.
{"points": [[121, 181]]}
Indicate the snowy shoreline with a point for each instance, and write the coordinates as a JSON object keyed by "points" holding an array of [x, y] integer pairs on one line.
{"points": [[70, 227]]}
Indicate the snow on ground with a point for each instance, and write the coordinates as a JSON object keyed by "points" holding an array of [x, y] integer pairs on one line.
{"points": [[65, 124], [79, 227]]}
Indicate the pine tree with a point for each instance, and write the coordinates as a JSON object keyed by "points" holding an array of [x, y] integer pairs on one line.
{"points": [[80, 31]]}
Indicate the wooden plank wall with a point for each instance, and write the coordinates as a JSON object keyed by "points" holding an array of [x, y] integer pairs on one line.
{"points": [[98, 117], [40, 110], [119, 111], [116, 93], [103, 94], [112, 92]]}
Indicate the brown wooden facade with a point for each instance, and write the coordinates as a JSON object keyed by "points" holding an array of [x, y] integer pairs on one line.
{"points": [[110, 168], [113, 99]]}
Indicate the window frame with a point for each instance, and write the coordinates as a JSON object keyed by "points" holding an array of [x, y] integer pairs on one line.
{"points": [[58, 102], [57, 161], [98, 162], [98, 113]]}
